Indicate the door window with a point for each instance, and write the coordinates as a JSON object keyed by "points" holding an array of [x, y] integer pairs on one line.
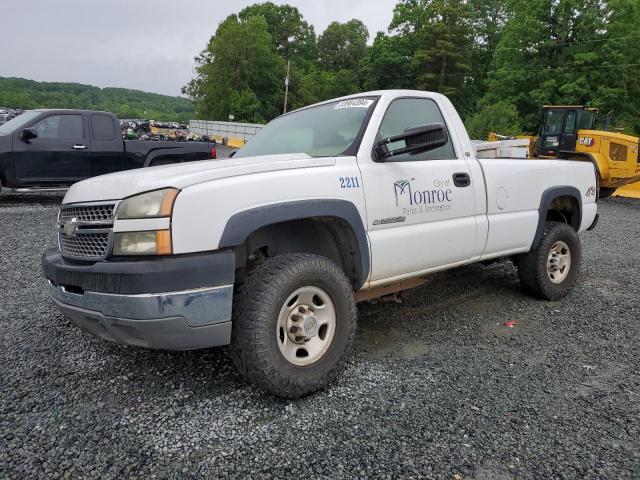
{"points": [[102, 128], [586, 120], [554, 122], [406, 113], [60, 127], [570, 128]]}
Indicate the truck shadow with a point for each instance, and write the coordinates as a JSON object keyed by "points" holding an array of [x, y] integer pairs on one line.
{"points": [[472, 298]]}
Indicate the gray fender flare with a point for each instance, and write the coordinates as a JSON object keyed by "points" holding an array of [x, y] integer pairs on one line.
{"points": [[243, 224], [548, 196]]}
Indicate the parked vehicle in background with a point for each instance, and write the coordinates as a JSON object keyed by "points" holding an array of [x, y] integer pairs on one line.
{"points": [[344, 201], [7, 114], [569, 132], [52, 149]]}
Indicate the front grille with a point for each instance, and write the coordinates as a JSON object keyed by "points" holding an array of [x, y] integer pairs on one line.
{"points": [[85, 231], [91, 246], [88, 213]]}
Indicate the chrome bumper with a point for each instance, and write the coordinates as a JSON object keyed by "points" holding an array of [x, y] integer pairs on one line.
{"points": [[186, 320]]}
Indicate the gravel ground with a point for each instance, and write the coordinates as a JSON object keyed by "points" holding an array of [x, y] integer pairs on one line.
{"points": [[437, 387]]}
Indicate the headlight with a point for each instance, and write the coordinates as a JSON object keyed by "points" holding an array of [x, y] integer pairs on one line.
{"points": [[148, 205], [143, 243]]}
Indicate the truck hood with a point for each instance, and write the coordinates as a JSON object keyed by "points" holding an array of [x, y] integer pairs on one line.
{"points": [[116, 186]]}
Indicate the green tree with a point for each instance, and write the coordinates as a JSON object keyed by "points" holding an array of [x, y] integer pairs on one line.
{"points": [[559, 51], [489, 18], [320, 85], [617, 82], [239, 68], [28, 94], [499, 117], [293, 38], [342, 46], [388, 63], [440, 37]]}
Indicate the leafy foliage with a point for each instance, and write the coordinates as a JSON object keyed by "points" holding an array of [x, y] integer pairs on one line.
{"points": [[342, 46], [495, 117], [28, 94], [238, 74], [581, 52]]}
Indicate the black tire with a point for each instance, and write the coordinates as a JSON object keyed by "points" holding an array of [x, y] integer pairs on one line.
{"points": [[257, 305], [532, 267]]}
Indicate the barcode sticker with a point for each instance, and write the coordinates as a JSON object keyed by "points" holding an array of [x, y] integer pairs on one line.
{"points": [[355, 103]]}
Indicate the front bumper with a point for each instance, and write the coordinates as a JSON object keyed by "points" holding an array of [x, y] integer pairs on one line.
{"points": [[150, 303]]}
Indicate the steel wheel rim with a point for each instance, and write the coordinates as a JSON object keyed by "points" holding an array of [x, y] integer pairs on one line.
{"points": [[559, 262], [306, 326]]}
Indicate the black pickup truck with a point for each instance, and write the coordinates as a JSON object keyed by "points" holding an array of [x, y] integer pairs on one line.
{"points": [[52, 149]]}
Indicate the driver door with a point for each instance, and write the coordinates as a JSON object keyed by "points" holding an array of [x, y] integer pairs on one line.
{"points": [[59, 154], [420, 207]]}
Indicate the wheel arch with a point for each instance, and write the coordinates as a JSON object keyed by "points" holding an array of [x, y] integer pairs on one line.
{"points": [[175, 155], [338, 218], [553, 203]]}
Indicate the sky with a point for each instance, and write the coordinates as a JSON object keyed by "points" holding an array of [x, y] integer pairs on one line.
{"points": [[140, 44]]}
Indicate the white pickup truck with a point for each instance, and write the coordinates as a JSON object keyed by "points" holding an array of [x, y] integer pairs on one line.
{"points": [[269, 251]]}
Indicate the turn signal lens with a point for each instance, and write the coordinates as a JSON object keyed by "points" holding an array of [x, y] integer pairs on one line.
{"points": [[143, 243]]}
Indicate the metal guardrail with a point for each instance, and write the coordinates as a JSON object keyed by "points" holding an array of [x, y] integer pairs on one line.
{"points": [[230, 130]]}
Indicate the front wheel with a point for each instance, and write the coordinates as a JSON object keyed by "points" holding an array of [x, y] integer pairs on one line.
{"points": [[550, 270], [294, 321]]}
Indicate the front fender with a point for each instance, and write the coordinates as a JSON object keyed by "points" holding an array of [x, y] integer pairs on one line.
{"points": [[243, 224]]}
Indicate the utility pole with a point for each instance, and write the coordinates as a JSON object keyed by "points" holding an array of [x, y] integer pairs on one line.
{"points": [[286, 86]]}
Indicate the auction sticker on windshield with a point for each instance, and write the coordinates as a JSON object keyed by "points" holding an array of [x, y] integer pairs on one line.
{"points": [[355, 103]]}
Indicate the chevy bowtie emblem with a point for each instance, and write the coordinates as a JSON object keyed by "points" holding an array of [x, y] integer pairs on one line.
{"points": [[71, 227]]}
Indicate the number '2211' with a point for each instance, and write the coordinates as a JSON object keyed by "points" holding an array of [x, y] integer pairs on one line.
{"points": [[349, 182]]}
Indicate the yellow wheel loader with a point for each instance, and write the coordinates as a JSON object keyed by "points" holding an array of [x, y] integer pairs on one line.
{"points": [[568, 131]]}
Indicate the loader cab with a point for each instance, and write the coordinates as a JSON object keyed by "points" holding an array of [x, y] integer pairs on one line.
{"points": [[559, 125]]}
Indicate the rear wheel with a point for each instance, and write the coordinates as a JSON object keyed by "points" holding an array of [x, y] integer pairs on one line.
{"points": [[293, 324], [550, 270]]}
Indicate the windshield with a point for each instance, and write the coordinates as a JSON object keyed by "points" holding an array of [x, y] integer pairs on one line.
{"points": [[21, 120], [327, 130]]}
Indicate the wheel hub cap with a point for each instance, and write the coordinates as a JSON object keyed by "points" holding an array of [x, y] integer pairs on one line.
{"points": [[306, 325], [559, 262], [302, 324]]}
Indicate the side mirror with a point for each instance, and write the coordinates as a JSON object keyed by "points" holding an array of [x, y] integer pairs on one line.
{"points": [[27, 134], [417, 140]]}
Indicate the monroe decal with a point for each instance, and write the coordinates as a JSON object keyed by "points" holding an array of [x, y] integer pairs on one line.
{"points": [[407, 195]]}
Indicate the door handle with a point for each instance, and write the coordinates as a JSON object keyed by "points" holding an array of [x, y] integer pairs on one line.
{"points": [[79, 147], [461, 179]]}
